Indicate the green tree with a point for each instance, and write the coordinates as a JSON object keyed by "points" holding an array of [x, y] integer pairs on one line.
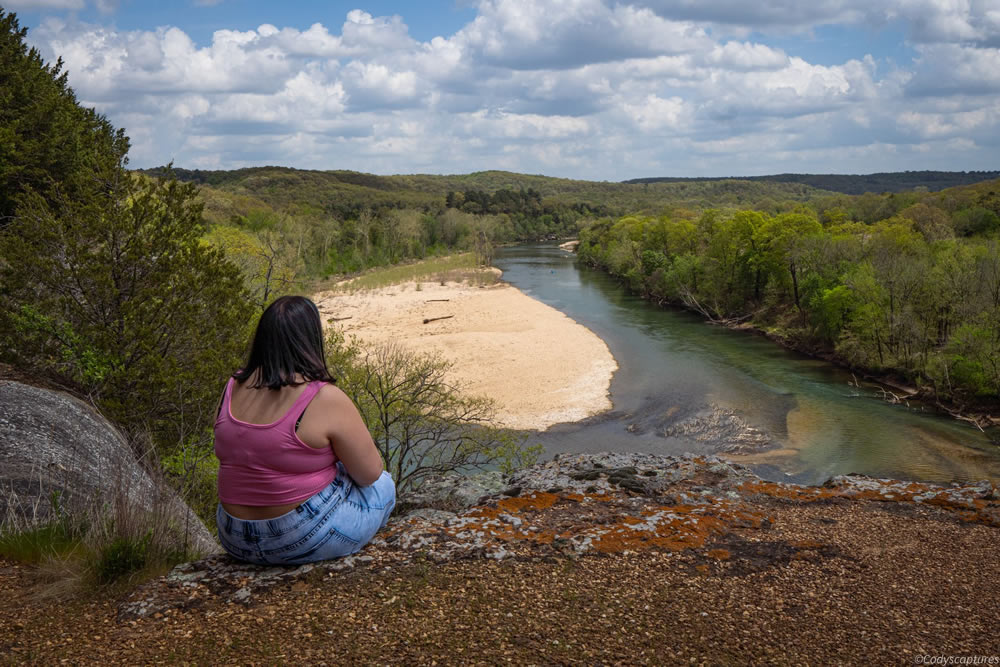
{"points": [[898, 255], [832, 309], [783, 243], [119, 294], [976, 220], [863, 341], [732, 261], [49, 144], [266, 258], [930, 221]]}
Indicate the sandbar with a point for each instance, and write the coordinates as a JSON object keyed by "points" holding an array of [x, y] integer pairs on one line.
{"points": [[538, 365]]}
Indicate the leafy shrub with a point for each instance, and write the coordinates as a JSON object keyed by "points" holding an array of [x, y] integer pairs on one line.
{"points": [[119, 296], [421, 423], [193, 471]]}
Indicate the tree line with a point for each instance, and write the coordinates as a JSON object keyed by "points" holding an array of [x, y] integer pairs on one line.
{"points": [[280, 247], [857, 184], [915, 294]]}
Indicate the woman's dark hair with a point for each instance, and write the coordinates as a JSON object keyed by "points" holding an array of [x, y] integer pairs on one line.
{"points": [[289, 340]]}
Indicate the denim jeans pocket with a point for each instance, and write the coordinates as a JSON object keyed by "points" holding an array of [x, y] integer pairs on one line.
{"points": [[325, 545]]}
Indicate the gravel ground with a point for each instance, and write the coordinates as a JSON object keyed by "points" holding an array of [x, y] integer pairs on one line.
{"points": [[828, 582]]}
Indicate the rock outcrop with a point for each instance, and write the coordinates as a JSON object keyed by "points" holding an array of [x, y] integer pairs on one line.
{"points": [[59, 458], [593, 504]]}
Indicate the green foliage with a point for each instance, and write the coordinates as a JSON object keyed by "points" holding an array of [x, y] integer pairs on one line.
{"points": [[342, 222], [975, 221], [68, 352], [267, 260], [118, 294], [973, 359], [856, 185], [345, 194], [122, 557], [530, 218], [320, 224], [904, 294], [51, 145], [104, 279], [833, 308], [192, 470]]}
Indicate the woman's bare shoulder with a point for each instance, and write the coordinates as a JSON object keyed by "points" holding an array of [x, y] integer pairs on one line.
{"points": [[332, 396]]}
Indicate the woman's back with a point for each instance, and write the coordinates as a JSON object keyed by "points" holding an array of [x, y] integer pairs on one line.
{"points": [[268, 464], [266, 406]]}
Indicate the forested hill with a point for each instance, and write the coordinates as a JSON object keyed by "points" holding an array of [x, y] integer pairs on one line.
{"points": [[855, 184], [346, 193]]}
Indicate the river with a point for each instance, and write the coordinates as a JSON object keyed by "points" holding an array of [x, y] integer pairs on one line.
{"points": [[675, 370]]}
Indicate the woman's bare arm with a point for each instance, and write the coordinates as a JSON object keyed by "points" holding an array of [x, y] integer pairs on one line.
{"points": [[351, 441]]}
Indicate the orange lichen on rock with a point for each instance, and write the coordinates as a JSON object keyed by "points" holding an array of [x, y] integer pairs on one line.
{"points": [[787, 492], [675, 528], [536, 501], [695, 504], [960, 500]]}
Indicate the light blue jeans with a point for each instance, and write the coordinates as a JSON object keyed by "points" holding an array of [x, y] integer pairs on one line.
{"points": [[336, 521]]}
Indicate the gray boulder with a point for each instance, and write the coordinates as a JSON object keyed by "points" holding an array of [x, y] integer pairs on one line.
{"points": [[57, 455], [451, 491]]}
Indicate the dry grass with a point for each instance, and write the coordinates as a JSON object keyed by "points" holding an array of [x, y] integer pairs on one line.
{"points": [[453, 268], [82, 543]]}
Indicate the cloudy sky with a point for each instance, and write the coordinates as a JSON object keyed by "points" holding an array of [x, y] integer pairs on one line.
{"points": [[594, 89]]}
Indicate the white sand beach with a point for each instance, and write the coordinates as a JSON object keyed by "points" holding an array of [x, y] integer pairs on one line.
{"points": [[540, 366]]}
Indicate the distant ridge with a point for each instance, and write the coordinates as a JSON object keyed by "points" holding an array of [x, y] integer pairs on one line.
{"points": [[854, 184]]}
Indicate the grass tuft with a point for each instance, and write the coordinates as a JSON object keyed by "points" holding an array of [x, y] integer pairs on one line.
{"points": [[110, 540], [54, 540]]}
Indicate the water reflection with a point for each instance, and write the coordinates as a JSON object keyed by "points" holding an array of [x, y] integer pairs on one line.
{"points": [[673, 365]]}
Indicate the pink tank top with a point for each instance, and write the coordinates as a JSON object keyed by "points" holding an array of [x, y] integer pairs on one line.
{"points": [[267, 464]]}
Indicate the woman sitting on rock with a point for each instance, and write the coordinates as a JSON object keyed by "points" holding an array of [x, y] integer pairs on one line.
{"points": [[300, 479]]}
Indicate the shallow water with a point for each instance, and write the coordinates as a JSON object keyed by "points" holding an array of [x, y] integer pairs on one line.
{"points": [[672, 365]]}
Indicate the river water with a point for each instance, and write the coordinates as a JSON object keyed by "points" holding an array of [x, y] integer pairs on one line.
{"points": [[675, 368]]}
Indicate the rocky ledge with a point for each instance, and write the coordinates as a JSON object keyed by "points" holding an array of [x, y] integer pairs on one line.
{"points": [[587, 505]]}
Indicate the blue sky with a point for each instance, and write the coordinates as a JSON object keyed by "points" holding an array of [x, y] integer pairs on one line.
{"points": [[199, 21], [835, 44], [593, 89]]}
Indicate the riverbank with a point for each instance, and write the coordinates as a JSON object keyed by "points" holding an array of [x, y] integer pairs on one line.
{"points": [[540, 366], [894, 389]]}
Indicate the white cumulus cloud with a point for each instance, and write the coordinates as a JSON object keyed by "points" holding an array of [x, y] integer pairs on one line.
{"points": [[589, 88]]}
